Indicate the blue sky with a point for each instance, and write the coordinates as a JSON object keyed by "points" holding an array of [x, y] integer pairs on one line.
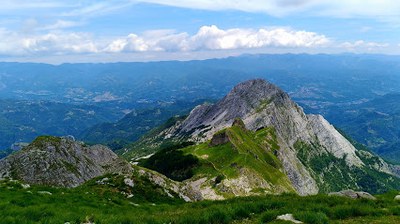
{"points": [[56, 31]]}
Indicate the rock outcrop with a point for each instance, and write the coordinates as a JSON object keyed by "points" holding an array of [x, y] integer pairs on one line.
{"points": [[61, 162], [353, 194], [289, 218], [219, 139]]}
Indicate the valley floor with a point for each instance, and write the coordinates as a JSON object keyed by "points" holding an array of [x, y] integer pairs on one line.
{"points": [[99, 204]]}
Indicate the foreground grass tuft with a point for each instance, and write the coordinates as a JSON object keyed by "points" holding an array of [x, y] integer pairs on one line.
{"points": [[106, 204]]}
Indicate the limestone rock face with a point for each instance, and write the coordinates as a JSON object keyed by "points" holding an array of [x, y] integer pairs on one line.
{"points": [[61, 162], [333, 141]]}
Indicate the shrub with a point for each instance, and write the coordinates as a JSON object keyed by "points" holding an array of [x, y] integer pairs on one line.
{"points": [[269, 216], [312, 217], [173, 163], [395, 210], [218, 217], [348, 211]]}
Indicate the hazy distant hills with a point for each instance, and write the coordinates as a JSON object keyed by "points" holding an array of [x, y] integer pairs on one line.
{"points": [[23, 120], [375, 123], [133, 125], [317, 77], [319, 83]]}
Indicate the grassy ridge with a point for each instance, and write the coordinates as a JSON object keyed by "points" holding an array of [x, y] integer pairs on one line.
{"points": [[254, 151], [101, 204]]}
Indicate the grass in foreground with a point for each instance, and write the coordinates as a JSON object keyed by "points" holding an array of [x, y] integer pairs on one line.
{"points": [[100, 204]]}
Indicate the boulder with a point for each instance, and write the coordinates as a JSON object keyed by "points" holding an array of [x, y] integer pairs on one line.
{"points": [[353, 194], [289, 218]]}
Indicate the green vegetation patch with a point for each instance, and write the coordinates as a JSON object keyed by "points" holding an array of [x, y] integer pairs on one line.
{"points": [[333, 174], [41, 141], [255, 151], [101, 201], [173, 163]]}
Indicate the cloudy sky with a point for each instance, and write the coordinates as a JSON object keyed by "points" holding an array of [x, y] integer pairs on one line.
{"points": [[57, 31]]}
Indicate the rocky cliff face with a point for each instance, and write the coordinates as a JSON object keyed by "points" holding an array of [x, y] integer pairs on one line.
{"points": [[261, 104], [304, 140], [61, 162]]}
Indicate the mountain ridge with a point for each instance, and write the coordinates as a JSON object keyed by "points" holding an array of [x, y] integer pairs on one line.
{"points": [[261, 104]]}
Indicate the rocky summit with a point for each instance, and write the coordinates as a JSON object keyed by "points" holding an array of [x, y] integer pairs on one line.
{"points": [[61, 161], [314, 156]]}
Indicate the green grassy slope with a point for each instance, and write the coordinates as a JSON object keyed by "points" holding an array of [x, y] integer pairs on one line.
{"points": [[254, 151], [333, 174], [246, 153], [105, 204]]}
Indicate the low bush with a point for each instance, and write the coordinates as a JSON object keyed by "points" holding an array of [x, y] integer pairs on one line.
{"points": [[312, 217], [269, 216]]}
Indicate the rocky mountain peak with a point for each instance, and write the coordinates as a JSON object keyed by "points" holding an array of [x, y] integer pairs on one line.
{"points": [[250, 95], [246, 98], [60, 161], [256, 89], [302, 139]]}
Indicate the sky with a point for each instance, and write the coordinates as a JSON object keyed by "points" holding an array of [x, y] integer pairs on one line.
{"points": [[60, 31]]}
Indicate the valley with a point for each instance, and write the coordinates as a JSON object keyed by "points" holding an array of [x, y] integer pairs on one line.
{"points": [[246, 153]]}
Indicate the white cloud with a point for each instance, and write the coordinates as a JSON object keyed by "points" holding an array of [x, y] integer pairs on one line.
{"points": [[162, 42], [325, 8], [99, 8], [365, 29], [213, 38], [383, 10], [55, 43], [61, 24], [273, 7], [32, 4], [363, 45], [9, 44], [59, 43]]}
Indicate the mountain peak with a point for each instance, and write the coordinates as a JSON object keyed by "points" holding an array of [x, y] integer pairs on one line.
{"points": [[60, 161], [249, 97], [253, 84], [255, 92], [303, 141]]}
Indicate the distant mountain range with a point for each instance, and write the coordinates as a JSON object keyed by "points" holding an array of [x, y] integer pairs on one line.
{"points": [[23, 121], [321, 84], [135, 124]]}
